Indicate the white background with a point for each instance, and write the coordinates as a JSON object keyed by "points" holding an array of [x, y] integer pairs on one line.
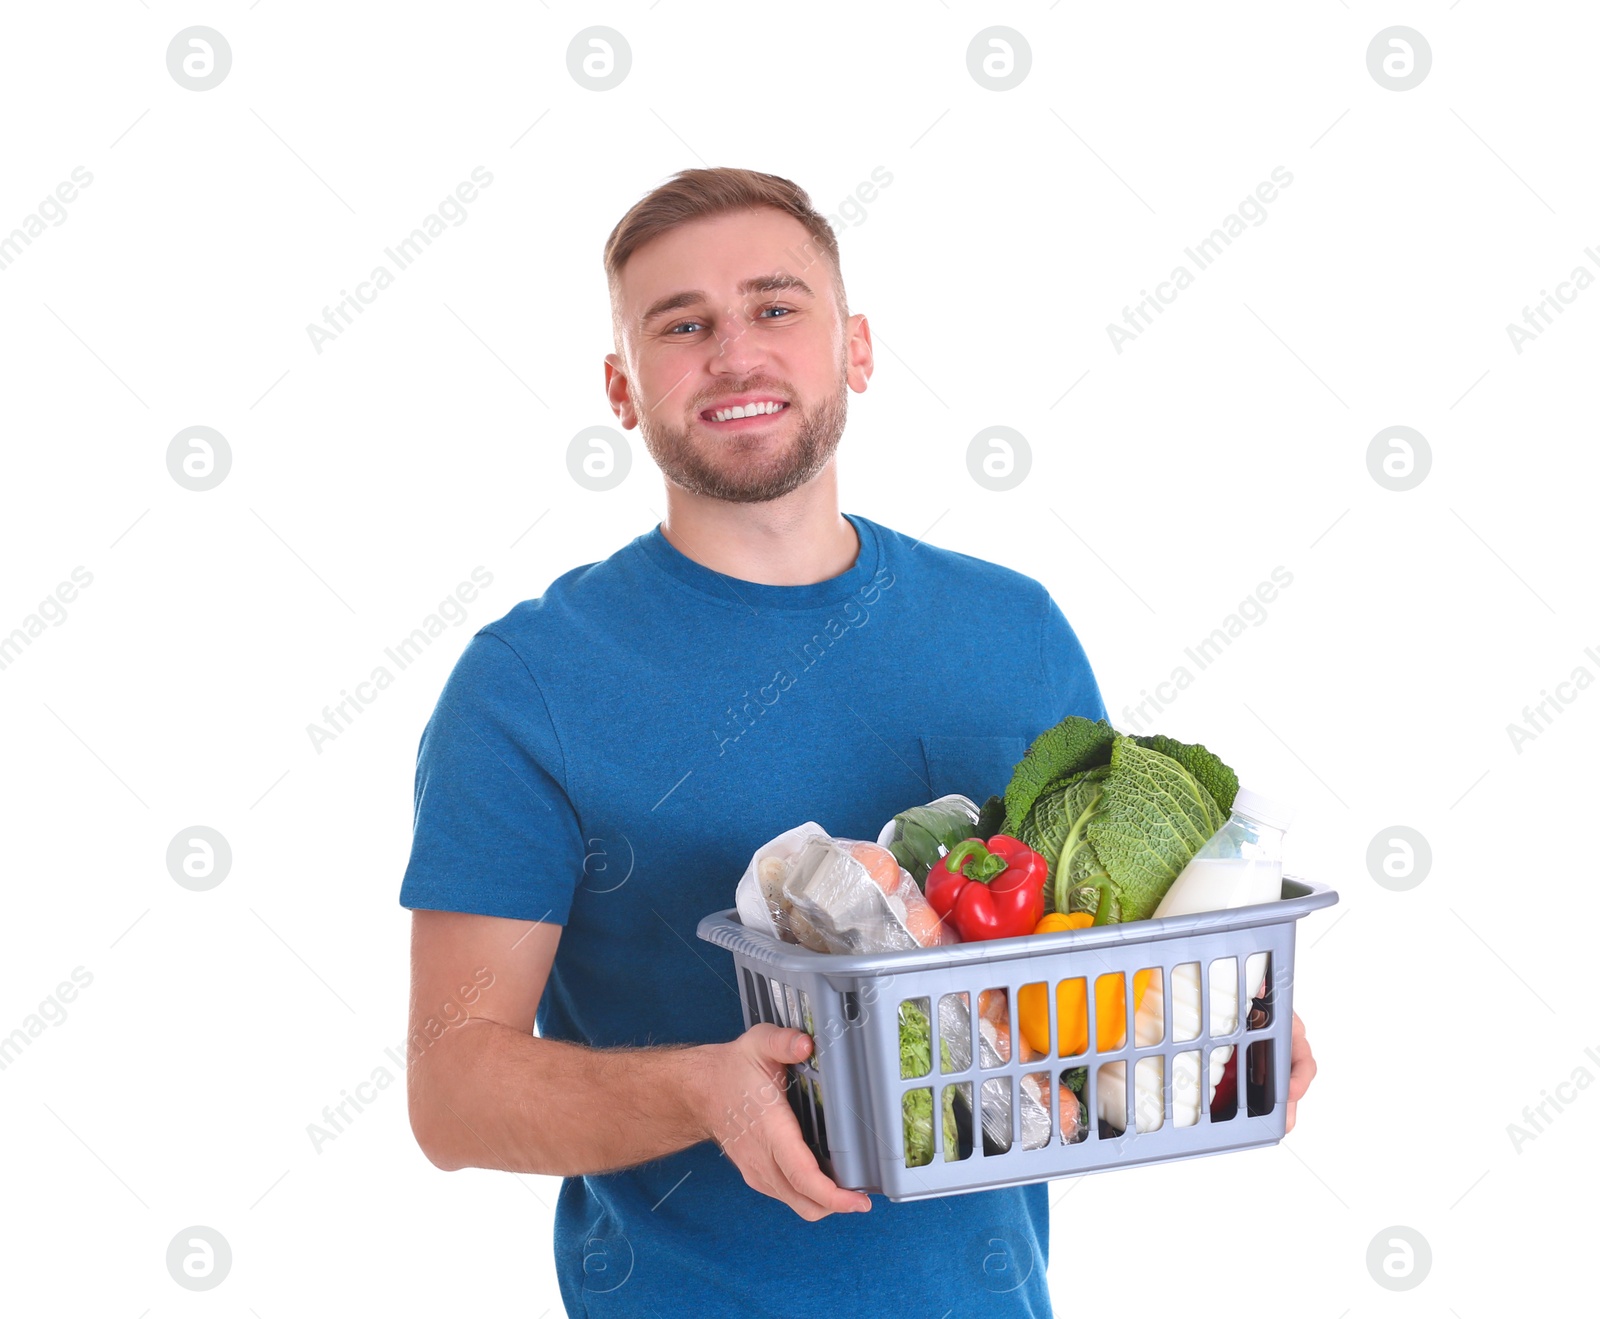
{"points": [[1167, 481]]}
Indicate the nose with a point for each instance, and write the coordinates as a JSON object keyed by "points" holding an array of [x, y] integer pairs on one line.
{"points": [[739, 352]]}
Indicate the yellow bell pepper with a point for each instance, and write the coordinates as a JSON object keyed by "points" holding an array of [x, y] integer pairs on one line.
{"points": [[1072, 1017], [1060, 920]]}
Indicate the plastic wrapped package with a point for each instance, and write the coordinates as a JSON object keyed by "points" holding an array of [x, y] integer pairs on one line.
{"points": [[955, 1030], [994, 1050], [760, 899], [919, 836], [1035, 1110], [855, 898]]}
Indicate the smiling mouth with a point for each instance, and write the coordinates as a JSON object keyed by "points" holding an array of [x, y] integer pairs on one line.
{"points": [[742, 418]]}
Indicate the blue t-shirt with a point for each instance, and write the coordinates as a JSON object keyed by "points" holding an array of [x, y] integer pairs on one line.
{"points": [[609, 755]]}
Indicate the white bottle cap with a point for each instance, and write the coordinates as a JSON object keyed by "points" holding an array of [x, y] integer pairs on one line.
{"points": [[1263, 810]]}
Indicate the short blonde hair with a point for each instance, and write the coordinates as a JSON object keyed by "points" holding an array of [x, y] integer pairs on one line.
{"points": [[698, 194]]}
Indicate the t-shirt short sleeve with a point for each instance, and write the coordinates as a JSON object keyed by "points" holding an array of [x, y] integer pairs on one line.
{"points": [[1066, 668], [494, 831]]}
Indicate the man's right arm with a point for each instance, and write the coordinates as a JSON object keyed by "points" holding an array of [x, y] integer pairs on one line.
{"points": [[485, 1092]]}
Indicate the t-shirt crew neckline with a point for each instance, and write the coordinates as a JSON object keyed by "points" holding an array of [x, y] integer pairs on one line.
{"points": [[737, 592]]}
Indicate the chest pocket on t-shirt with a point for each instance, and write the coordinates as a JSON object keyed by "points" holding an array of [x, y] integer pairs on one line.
{"points": [[973, 766]]}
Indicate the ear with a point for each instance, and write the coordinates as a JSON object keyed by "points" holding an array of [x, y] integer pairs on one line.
{"points": [[858, 352], [617, 392]]}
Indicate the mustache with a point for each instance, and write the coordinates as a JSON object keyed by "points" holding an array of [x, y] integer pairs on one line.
{"points": [[723, 400]]}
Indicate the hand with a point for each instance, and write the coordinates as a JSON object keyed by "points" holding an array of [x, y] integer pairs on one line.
{"points": [[1302, 1067], [746, 1112]]}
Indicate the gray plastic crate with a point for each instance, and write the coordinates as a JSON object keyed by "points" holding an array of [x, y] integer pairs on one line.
{"points": [[848, 1094]]}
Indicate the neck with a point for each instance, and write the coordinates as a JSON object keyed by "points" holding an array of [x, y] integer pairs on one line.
{"points": [[797, 540]]}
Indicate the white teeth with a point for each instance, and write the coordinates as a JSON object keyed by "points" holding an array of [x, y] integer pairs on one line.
{"points": [[748, 410]]}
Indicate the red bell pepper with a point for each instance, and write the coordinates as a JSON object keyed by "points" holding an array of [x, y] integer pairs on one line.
{"points": [[989, 891]]}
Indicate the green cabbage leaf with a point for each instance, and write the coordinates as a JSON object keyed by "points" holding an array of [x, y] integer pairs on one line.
{"points": [[1115, 816]]}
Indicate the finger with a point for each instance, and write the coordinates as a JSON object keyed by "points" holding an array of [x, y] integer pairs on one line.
{"points": [[776, 1185], [783, 1194], [799, 1165], [1302, 1067], [780, 1044], [780, 1148], [768, 1178]]}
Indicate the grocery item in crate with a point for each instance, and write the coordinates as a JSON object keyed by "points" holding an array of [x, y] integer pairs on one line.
{"points": [[853, 897], [920, 835], [994, 1050], [916, 1107], [994, 1032], [760, 898], [1239, 866], [990, 890], [867, 1081], [1116, 817]]}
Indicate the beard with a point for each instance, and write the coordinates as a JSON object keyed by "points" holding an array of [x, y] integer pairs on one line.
{"points": [[749, 469]]}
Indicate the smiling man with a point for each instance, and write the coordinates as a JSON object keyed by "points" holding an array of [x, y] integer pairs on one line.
{"points": [[604, 759]]}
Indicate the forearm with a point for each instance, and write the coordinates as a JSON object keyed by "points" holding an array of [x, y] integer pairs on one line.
{"points": [[488, 1096]]}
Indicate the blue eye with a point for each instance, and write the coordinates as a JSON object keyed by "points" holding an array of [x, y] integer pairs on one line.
{"points": [[682, 325]]}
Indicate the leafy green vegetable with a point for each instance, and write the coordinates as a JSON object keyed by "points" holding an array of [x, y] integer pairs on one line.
{"points": [[991, 815], [1066, 748], [1077, 1078], [916, 1107], [916, 1041], [1209, 772], [1115, 817], [1153, 817], [923, 834], [1056, 829]]}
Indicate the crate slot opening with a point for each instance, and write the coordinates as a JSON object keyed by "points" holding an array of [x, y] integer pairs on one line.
{"points": [[955, 1033], [1225, 1102], [752, 1002], [764, 1000], [1258, 973], [919, 1134], [916, 1038], [799, 1096], [1186, 1002], [1072, 1017], [959, 1095], [996, 1115], [1146, 1088], [822, 1119], [1073, 1105], [1261, 1090], [1037, 1121], [1224, 996], [1033, 1021], [994, 1025]]}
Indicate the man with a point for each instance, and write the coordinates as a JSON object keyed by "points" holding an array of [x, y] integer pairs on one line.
{"points": [[604, 759]]}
